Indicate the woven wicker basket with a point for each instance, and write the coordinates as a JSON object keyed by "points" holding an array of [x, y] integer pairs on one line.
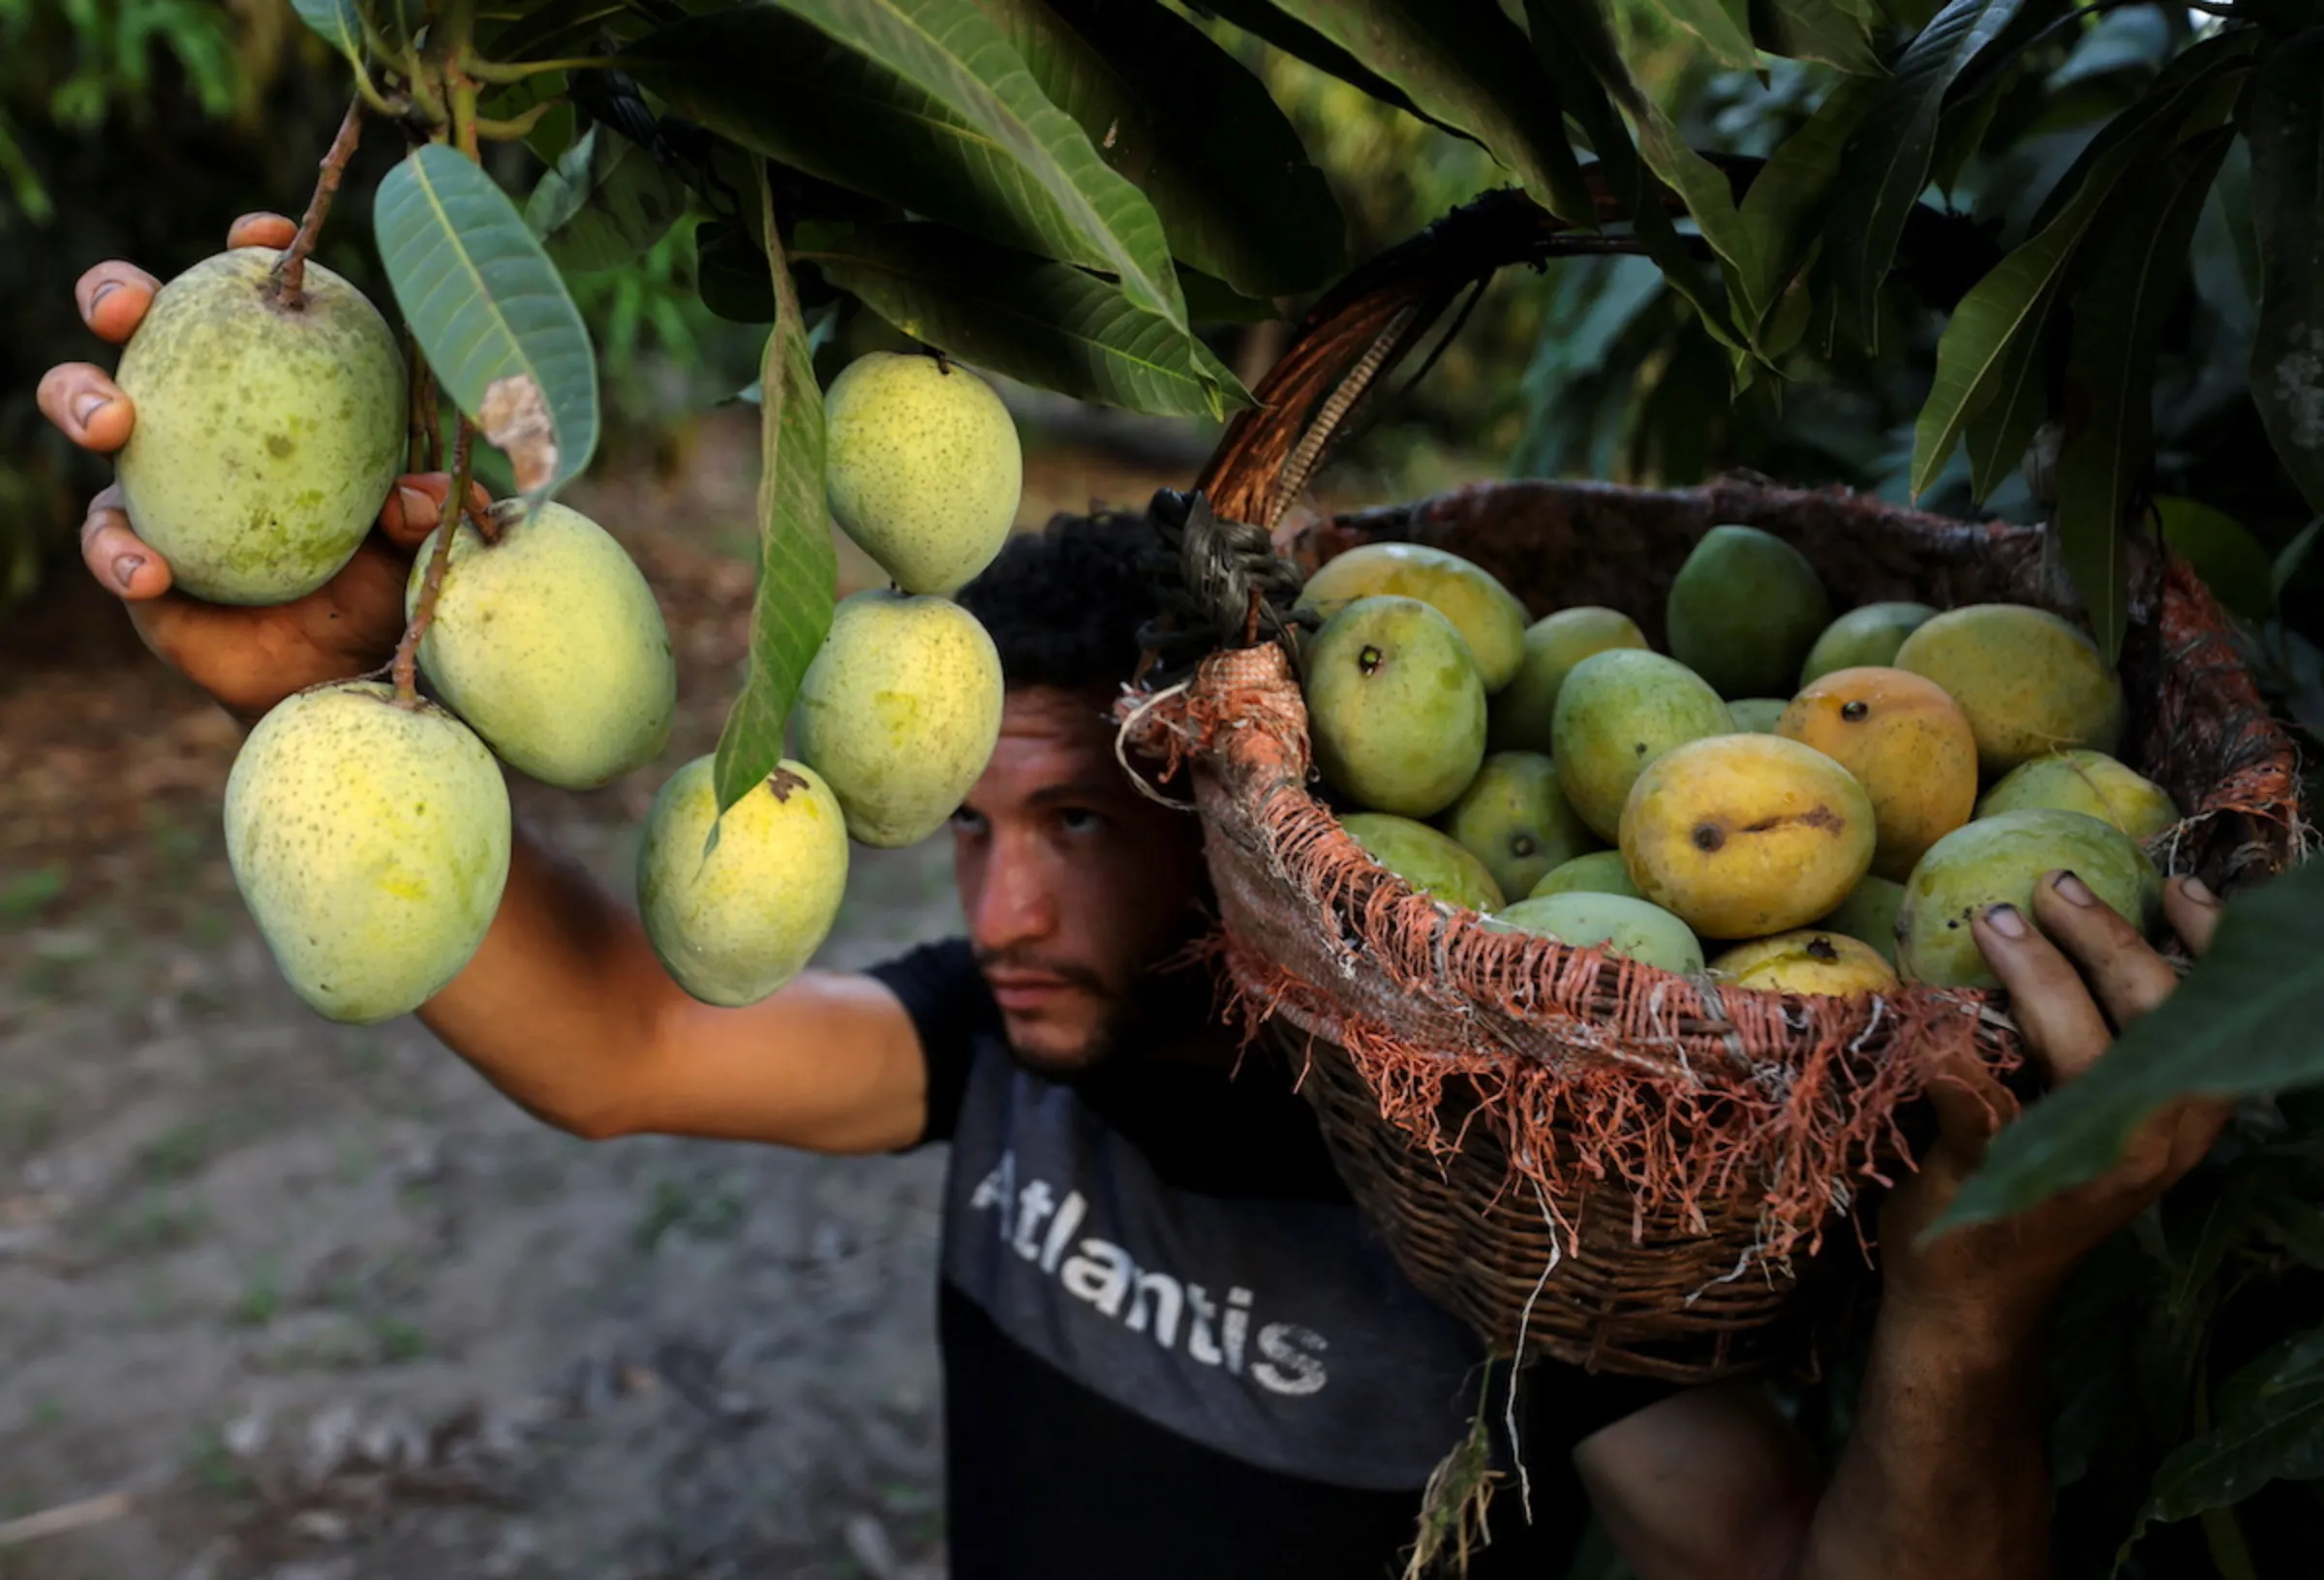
{"points": [[1582, 1157]]}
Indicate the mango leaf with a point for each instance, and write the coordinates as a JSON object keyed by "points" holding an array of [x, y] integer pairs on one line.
{"points": [[797, 566], [1724, 25], [1237, 194], [2293, 555], [491, 312], [1822, 30], [1466, 63], [1261, 20], [2231, 561], [2007, 309], [2248, 1020], [604, 204], [1578, 49], [561, 28], [2269, 1426], [1044, 323], [949, 50], [2286, 131], [337, 23], [2108, 442], [1888, 158], [1786, 203]]}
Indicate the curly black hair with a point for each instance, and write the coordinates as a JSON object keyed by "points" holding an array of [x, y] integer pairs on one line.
{"points": [[1064, 604]]}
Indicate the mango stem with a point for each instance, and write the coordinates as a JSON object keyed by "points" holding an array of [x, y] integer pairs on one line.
{"points": [[423, 612], [290, 269]]}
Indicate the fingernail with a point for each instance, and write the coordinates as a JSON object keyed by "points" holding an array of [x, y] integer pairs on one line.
{"points": [[2196, 890], [2072, 890], [125, 568], [88, 406], [2006, 920], [414, 502], [97, 298]]}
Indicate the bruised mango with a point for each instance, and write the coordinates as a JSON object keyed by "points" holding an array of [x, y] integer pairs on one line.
{"points": [[1487, 616], [898, 713], [1744, 835], [266, 437], [550, 644], [1997, 860], [2085, 781], [2029, 682], [1433, 862], [1744, 610], [1614, 923], [371, 842], [1522, 712], [1808, 960], [1516, 819], [1394, 707], [1619, 710], [734, 921], [1907, 743]]}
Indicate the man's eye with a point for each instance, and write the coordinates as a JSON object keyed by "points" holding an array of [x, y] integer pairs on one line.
{"points": [[1079, 820], [965, 821]]}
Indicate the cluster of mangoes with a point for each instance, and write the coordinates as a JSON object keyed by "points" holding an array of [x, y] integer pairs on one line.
{"points": [[370, 833], [1830, 802]]}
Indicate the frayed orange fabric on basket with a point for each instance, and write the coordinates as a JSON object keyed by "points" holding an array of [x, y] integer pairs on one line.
{"points": [[1587, 1157]]}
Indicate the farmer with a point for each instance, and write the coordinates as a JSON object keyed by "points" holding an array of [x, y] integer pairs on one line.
{"points": [[1172, 1349]]}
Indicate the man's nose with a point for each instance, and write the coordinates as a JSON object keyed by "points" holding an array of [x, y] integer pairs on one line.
{"points": [[1013, 905]]}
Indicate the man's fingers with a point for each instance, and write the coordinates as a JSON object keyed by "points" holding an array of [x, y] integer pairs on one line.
{"points": [[113, 297], [1970, 1104], [117, 557], [261, 230], [2051, 1005], [2193, 912], [415, 504], [87, 406], [2129, 977]]}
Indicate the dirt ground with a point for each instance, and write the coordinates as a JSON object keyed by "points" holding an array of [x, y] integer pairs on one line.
{"points": [[318, 1304]]}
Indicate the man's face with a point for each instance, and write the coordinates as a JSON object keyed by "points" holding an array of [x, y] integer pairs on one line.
{"points": [[1075, 885]]}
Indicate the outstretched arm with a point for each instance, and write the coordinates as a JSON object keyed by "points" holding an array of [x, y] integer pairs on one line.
{"points": [[1944, 1471]]}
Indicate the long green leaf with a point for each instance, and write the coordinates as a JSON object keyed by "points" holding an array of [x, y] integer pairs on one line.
{"points": [[1723, 25], [1997, 432], [1262, 20], [2108, 443], [1820, 30], [797, 565], [603, 203], [1786, 203], [1044, 323], [2287, 203], [2268, 1426], [491, 312], [1888, 158], [949, 50], [1576, 49], [2222, 551], [337, 23], [1466, 63], [1239, 197], [1974, 356], [2248, 1021]]}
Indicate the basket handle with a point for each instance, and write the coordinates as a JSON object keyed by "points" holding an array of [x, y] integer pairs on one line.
{"points": [[1219, 581]]}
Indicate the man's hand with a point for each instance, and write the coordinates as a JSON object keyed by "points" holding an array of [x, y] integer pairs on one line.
{"points": [[2069, 998], [248, 659]]}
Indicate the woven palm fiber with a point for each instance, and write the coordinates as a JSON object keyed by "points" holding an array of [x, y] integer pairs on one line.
{"points": [[1586, 1158]]}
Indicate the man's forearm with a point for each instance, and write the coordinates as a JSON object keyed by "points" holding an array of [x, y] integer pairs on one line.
{"points": [[557, 1007], [1945, 1473]]}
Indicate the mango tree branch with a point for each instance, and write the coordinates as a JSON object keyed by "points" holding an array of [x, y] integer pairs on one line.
{"points": [[516, 70], [431, 586], [290, 269], [515, 126]]}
